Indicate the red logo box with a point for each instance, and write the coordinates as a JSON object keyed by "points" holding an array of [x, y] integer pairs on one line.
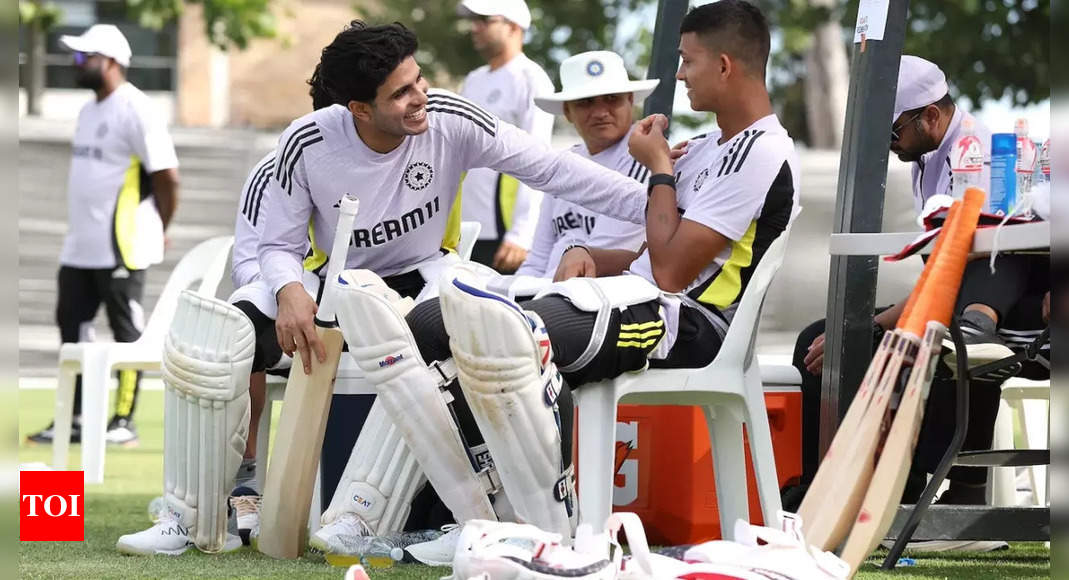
{"points": [[51, 506]]}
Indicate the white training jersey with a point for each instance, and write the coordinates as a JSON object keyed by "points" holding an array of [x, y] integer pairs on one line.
{"points": [[118, 143], [745, 189], [408, 197], [932, 175], [563, 223], [249, 223], [500, 202]]}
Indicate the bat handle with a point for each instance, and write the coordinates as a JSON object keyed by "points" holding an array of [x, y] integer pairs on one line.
{"points": [[339, 253]]}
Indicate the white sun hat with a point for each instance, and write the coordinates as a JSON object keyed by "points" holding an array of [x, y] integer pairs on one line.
{"points": [[104, 39], [515, 11], [590, 74]]}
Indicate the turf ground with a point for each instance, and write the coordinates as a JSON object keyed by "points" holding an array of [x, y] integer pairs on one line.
{"points": [[133, 477]]}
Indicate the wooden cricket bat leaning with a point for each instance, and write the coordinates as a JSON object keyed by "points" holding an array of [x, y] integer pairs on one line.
{"points": [[291, 473], [838, 489], [933, 310], [291, 470]]}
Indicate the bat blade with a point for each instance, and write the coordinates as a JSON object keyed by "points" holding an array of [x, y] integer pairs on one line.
{"points": [[830, 509], [291, 471], [889, 478]]}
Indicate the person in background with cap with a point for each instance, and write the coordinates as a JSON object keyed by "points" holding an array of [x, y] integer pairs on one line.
{"points": [[599, 99], [995, 309], [122, 193], [507, 209]]}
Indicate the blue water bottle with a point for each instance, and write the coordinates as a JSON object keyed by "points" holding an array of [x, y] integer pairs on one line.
{"points": [[1003, 193]]}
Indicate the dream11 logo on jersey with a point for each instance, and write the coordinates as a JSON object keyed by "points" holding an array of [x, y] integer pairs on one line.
{"points": [[51, 506]]}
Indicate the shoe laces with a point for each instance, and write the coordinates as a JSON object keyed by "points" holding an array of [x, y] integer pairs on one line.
{"points": [[352, 524], [246, 504]]}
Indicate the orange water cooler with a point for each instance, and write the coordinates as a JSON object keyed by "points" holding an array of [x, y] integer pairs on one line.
{"points": [[664, 466]]}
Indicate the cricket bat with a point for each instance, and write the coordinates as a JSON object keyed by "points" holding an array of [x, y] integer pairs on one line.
{"points": [[933, 311], [291, 471], [837, 491]]}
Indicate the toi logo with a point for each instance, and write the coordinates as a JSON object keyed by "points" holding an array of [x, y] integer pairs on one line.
{"points": [[51, 506]]}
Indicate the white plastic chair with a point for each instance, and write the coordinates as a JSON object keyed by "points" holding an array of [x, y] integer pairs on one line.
{"points": [[1026, 403], [205, 263], [729, 391]]}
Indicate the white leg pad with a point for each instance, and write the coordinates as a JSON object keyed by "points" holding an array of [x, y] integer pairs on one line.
{"points": [[410, 392], [380, 479], [207, 358], [505, 366]]}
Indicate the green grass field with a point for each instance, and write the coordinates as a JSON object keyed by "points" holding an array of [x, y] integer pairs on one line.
{"points": [[134, 476]]}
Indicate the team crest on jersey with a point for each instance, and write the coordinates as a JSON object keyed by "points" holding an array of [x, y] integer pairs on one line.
{"points": [[594, 68], [699, 181], [418, 175]]}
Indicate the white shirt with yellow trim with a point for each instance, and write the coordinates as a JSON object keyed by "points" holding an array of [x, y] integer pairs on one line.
{"points": [[563, 223], [407, 195], [745, 189], [118, 142], [508, 92]]}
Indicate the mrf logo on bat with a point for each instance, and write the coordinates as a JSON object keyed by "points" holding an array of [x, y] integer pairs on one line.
{"points": [[51, 506]]}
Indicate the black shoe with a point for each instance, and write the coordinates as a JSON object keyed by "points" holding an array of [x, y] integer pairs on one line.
{"points": [[121, 431], [982, 346], [46, 435]]}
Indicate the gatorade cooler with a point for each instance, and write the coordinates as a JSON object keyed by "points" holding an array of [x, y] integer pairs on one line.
{"points": [[664, 466]]}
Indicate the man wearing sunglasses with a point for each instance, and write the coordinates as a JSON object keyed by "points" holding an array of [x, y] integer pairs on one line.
{"points": [[122, 192], [505, 86]]}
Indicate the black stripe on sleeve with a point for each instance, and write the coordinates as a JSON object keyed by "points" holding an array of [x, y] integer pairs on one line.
{"points": [[631, 172], [288, 181], [285, 169], [291, 142], [749, 146], [735, 149], [461, 103], [449, 111], [645, 175], [264, 172], [260, 197]]}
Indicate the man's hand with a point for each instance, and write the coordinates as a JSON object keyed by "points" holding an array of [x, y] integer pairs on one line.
{"points": [[814, 359], [648, 145], [508, 257], [678, 150], [575, 263], [296, 325]]}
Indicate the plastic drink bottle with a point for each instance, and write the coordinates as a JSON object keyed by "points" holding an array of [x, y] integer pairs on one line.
{"points": [[1024, 168], [966, 160], [1003, 175]]}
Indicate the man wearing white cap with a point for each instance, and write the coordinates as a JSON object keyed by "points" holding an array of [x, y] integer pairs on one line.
{"points": [[599, 99], [995, 309], [122, 193], [507, 209]]}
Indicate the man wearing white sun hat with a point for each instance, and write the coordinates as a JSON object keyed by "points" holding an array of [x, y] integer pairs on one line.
{"points": [[507, 209], [599, 99]]}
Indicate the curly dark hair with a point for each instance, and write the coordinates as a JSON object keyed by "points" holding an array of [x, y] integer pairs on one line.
{"points": [[358, 61], [734, 27]]}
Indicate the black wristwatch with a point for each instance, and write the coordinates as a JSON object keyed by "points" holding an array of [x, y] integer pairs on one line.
{"points": [[660, 179]]}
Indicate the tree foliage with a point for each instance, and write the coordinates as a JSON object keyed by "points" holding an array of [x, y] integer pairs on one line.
{"points": [[989, 49], [226, 22]]}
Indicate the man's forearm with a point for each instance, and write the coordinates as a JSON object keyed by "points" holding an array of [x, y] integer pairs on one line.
{"points": [[612, 262], [662, 221], [165, 190], [888, 318]]}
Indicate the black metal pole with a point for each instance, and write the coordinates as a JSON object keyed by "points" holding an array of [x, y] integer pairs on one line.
{"points": [[859, 209], [664, 58]]}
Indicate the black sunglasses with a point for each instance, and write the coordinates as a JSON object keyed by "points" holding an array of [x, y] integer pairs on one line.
{"points": [[896, 131]]}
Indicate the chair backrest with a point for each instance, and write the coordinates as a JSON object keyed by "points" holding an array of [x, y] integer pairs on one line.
{"points": [[205, 263], [469, 233], [739, 342]]}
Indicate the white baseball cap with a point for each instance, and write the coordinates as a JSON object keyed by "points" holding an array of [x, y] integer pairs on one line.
{"points": [[590, 74], [104, 39], [515, 11], [920, 83]]}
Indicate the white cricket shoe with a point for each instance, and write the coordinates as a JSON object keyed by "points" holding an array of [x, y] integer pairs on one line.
{"points": [[340, 536], [439, 551], [168, 536], [246, 505]]}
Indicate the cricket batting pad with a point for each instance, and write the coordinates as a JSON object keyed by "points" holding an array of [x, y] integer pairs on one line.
{"points": [[207, 357]]}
